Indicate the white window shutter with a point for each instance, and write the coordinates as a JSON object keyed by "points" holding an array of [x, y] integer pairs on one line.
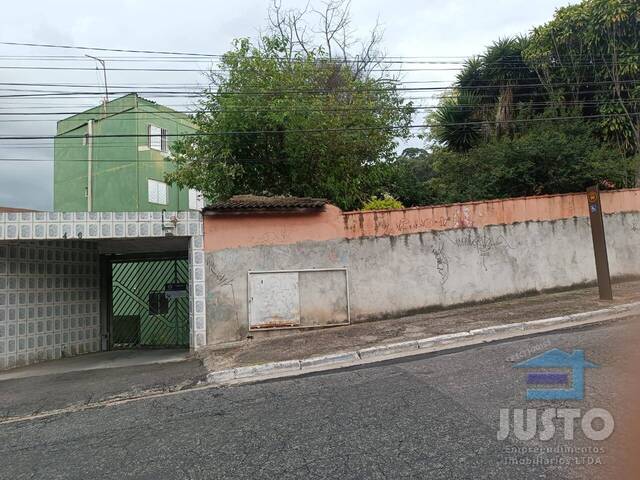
{"points": [[196, 201], [162, 193], [163, 139], [155, 138], [152, 186]]}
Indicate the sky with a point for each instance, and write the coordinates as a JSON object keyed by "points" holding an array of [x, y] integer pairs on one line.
{"points": [[412, 28]]}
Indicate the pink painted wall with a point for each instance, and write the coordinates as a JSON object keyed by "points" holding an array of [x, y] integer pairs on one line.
{"points": [[232, 231]]}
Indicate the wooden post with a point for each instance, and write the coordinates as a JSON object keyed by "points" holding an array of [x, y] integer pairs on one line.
{"points": [[599, 243]]}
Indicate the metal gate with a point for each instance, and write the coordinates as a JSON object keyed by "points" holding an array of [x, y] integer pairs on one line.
{"points": [[146, 311]]}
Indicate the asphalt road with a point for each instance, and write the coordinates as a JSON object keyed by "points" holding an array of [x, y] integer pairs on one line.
{"points": [[431, 417]]}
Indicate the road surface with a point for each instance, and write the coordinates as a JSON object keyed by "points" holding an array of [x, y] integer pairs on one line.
{"points": [[434, 416]]}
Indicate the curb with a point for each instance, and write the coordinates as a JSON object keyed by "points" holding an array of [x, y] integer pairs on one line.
{"points": [[287, 368]]}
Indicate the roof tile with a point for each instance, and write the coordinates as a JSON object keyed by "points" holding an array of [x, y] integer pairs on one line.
{"points": [[263, 203]]}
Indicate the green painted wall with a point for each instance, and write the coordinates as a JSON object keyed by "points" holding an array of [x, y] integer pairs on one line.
{"points": [[121, 166]]}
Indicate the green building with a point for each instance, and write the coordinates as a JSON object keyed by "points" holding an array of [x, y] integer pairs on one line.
{"points": [[113, 157]]}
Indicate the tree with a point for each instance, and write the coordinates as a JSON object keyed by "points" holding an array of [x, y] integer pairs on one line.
{"points": [[287, 119], [456, 122], [558, 157], [490, 91], [589, 55], [327, 29], [407, 177], [500, 130]]}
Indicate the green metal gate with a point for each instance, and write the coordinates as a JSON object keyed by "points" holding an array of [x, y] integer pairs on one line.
{"points": [[142, 313]]}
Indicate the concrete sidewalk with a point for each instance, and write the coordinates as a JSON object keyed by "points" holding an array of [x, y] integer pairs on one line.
{"points": [[299, 345], [56, 386], [97, 361]]}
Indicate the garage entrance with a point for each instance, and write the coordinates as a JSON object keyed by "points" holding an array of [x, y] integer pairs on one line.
{"points": [[149, 303]]}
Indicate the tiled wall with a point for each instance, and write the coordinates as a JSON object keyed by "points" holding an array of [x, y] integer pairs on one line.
{"points": [[49, 300], [42, 331], [197, 305], [87, 225]]}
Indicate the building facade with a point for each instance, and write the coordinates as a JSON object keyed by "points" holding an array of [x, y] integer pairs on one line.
{"points": [[113, 157], [57, 273]]}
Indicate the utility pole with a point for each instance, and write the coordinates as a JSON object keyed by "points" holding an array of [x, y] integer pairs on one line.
{"points": [[599, 243], [90, 135], [104, 72], [90, 166]]}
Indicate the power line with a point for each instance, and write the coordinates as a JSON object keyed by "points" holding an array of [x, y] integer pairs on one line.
{"points": [[221, 71], [516, 65], [218, 55], [200, 89], [331, 92], [134, 115], [267, 107], [102, 49], [317, 130]]}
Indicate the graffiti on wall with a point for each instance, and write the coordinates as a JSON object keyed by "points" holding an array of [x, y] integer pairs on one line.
{"points": [[485, 244], [218, 277], [442, 261], [221, 292]]}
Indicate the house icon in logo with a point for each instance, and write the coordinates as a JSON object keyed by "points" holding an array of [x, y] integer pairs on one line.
{"points": [[557, 359]]}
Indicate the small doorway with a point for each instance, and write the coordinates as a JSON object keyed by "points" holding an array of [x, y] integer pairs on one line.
{"points": [[149, 303]]}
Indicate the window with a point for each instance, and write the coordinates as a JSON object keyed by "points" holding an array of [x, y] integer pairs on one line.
{"points": [[196, 200], [157, 138], [157, 192]]}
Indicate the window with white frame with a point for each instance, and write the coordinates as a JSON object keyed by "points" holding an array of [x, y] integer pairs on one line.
{"points": [[157, 138], [157, 191], [196, 200]]}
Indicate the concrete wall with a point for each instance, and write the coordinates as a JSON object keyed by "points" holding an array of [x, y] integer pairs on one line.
{"points": [[397, 273], [49, 300], [250, 230]]}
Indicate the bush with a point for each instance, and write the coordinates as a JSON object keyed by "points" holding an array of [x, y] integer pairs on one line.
{"points": [[386, 202], [408, 178], [547, 158]]}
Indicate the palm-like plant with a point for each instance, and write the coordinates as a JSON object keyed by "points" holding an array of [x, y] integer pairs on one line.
{"points": [[505, 70], [455, 122], [485, 96]]}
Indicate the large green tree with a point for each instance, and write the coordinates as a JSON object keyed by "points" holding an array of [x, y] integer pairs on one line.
{"points": [[584, 62], [490, 91], [407, 177], [558, 157], [501, 129], [589, 56], [288, 116]]}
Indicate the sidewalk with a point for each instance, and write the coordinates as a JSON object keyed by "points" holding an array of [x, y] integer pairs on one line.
{"points": [[53, 388], [314, 343]]}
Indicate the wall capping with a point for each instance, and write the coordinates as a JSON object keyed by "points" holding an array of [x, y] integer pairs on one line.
{"points": [[229, 231]]}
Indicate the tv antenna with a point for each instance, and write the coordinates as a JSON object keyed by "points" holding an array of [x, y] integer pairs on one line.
{"points": [[104, 72]]}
